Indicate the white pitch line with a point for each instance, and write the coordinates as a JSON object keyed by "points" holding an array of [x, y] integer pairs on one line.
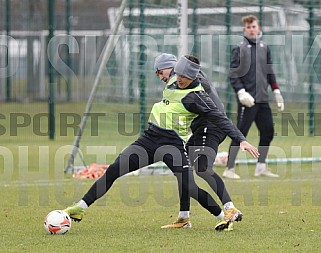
{"points": [[40, 183], [169, 180]]}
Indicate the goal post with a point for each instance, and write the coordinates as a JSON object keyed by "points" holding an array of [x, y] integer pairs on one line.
{"points": [[182, 21]]}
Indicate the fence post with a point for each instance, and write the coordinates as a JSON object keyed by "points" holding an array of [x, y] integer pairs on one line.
{"points": [[229, 91], [51, 101], [131, 62], [68, 81], [261, 18], [8, 29], [311, 76], [141, 61], [194, 28]]}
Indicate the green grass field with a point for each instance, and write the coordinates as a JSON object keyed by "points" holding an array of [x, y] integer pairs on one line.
{"points": [[280, 215]]}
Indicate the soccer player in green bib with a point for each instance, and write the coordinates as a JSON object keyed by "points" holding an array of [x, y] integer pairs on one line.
{"points": [[202, 145], [165, 140]]}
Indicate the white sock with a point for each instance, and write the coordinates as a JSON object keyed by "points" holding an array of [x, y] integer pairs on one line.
{"points": [[260, 167], [228, 205], [82, 204], [220, 216], [183, 214]]}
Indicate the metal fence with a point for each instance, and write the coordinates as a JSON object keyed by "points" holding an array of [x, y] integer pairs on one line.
{"points": [[82, 31]]}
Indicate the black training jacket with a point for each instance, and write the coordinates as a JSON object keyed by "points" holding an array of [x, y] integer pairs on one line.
{"points": [[199, 102], [251, 69]]}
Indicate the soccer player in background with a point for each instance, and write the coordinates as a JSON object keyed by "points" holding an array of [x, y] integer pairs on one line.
{"points": [[165, 140], [251, 74]]}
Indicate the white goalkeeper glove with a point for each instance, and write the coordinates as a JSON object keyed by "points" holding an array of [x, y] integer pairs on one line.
{"points": [[245, 98], [279, 100]]}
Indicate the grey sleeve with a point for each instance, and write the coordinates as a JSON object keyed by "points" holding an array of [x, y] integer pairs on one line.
{"points": [[235, 70]]}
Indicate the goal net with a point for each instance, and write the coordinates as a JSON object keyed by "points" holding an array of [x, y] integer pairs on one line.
{"points": [[124, 84], [117, 66]]}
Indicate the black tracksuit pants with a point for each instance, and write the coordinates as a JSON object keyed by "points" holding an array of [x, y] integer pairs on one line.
{"points": [[152, 147], [202, 148], [261, 114]]}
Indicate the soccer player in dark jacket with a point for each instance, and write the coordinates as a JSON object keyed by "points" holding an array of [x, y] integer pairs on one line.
{"points": [[251, 75]]}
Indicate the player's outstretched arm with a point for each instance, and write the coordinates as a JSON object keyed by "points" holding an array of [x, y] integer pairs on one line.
{"points": [[246, 146]]}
